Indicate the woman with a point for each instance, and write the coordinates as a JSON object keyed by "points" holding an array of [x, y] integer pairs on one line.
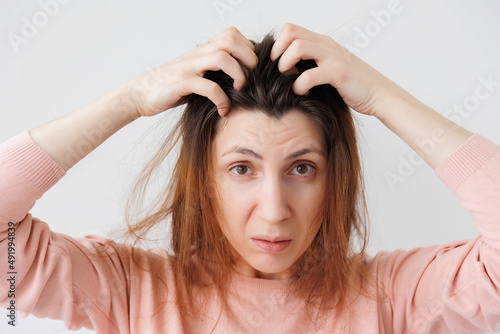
{"points": [[265, 201]]}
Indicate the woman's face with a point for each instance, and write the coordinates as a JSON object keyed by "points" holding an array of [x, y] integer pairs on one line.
{"points": [[271, 177]]}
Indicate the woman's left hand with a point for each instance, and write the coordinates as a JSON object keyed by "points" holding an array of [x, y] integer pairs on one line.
{"points": [[363, 88]]}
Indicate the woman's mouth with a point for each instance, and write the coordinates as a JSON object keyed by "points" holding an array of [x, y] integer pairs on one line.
{"points": [[272, 246]]}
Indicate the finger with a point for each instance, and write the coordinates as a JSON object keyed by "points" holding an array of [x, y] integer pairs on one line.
{"points": [[242, 49], [288, 34], [220, 60], [207, 88], [246, 56], [243, 38], [299, 49], [234, 43], [309, 79], [233, 31]]}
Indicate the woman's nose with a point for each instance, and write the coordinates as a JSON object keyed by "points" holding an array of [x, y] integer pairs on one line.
{"points": [[273, 201]]}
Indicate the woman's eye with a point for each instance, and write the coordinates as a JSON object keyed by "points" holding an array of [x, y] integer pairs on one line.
{"points": [[240, 168], [302, 169]]}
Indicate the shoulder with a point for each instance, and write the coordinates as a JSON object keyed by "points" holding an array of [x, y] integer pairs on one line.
{"points": [[138, 261], [390, 262]]}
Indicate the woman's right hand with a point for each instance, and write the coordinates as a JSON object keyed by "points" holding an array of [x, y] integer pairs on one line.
{"points": [[162, 88]]}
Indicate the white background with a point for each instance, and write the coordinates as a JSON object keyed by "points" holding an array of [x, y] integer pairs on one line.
{"points": [[436, 51]]}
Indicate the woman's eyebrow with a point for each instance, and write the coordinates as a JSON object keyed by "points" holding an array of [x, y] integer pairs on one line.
{"points": [[248, 151]]}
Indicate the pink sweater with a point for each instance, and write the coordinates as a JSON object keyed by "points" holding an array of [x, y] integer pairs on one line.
{"points": [[439, 289]]}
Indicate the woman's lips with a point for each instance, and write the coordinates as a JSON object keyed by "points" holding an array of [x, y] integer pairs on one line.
{"points": [[272, 246]]}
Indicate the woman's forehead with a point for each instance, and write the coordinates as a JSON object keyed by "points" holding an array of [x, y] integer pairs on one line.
{"points": [[256, 129]]}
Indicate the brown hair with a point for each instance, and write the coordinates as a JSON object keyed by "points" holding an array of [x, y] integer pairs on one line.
{"points": [[331, 267]]}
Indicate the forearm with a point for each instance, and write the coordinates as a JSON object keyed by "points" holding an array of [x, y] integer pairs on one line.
{"points": [[70, 138], [428, 133]]}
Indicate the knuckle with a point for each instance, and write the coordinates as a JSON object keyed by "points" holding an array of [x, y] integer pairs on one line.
{"points": [[226, 42], [231, 34], [232, 30], [307, 78], [231, 40], [221, 56], [289, 28], [299, 44]]}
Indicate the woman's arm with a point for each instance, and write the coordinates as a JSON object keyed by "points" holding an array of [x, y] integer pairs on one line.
{"points": [[70, 138], [431, 135], [367, 91]]}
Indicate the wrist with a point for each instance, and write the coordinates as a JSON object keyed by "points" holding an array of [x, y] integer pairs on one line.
{"points": [[393, 99], [123, 104]]}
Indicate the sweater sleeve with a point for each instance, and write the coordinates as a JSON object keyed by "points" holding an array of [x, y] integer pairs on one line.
{"points": [[455, 287], [82, 281]]}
